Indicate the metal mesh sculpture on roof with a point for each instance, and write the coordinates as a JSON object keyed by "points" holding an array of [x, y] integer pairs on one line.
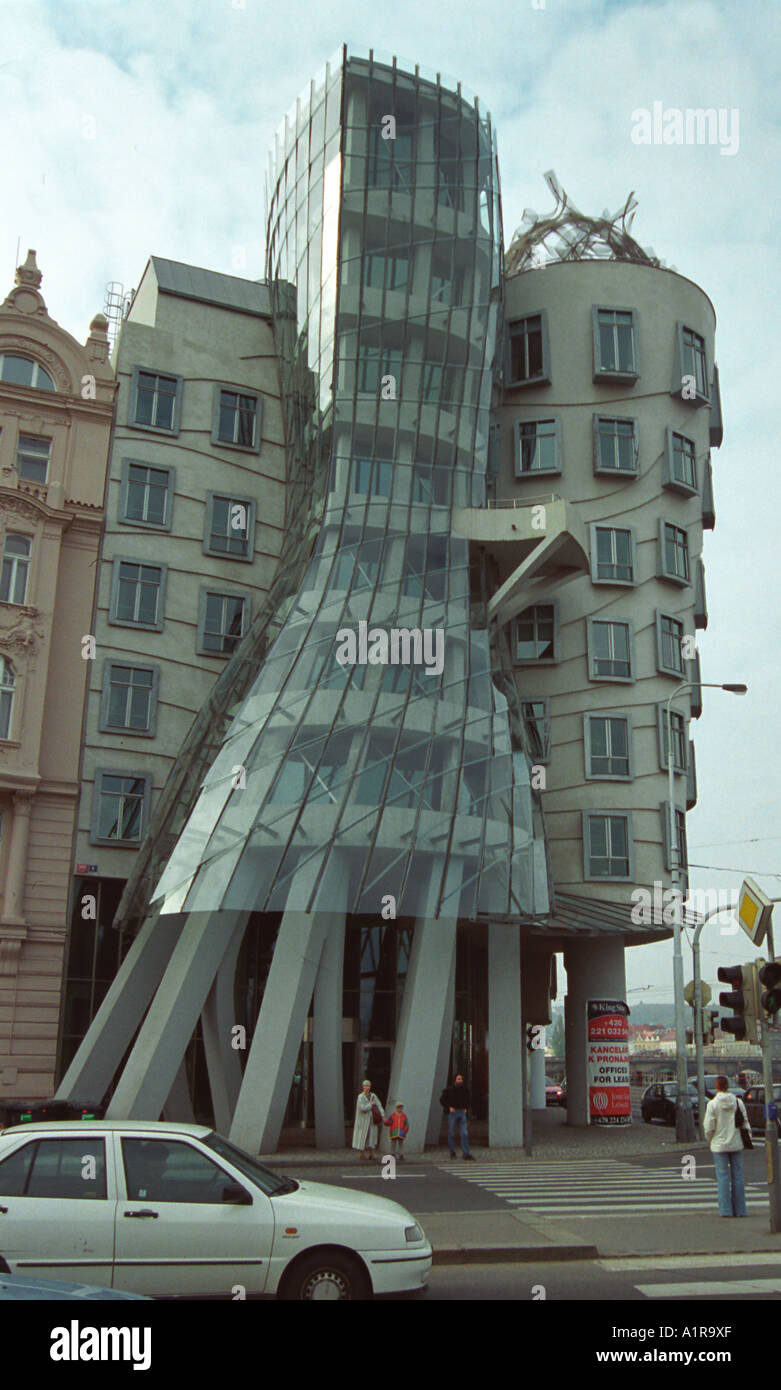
{"points": [[566, 234]]}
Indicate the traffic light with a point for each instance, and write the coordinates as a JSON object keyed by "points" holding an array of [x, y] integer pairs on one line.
{"points": [[770, 981], [742, 1000]]}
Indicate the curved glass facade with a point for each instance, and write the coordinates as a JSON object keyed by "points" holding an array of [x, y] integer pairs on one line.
{"points": [[374, 728]]}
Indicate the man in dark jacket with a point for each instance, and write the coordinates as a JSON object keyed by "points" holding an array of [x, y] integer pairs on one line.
{"points": [[455, 1099]]}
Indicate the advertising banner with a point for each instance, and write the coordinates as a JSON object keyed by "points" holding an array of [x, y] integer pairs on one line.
{"points": [[607, 1062]]}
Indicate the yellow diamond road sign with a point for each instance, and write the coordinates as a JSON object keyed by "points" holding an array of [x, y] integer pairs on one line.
{"points": [[755, 909]]}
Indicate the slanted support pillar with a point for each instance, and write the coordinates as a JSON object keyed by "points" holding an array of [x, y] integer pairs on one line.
{"points": [[218, 1020], [328, 1076], [505, 1037]]}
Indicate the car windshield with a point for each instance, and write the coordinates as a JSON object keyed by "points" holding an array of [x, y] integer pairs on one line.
{"points": [[269, 1182]]}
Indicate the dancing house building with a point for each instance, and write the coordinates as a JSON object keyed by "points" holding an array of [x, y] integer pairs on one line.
{"points": [[347, 872]]}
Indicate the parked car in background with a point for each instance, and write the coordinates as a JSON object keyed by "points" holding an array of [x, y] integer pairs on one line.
{"points": [[175, 1210], [659, 1102], [710, 1085], [754, 1101], [553, 1093]]}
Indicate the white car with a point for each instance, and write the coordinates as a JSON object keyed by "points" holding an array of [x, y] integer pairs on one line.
{"points": [[173, 1210]]}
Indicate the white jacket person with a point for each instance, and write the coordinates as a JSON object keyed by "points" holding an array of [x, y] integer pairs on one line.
{"points": [[719, 1125]]}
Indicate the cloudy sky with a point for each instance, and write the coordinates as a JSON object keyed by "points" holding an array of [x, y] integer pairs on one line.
{"points": [[132, 127]]}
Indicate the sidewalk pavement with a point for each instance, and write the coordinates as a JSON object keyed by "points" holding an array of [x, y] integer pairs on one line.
{"points": [[462, 1237]]}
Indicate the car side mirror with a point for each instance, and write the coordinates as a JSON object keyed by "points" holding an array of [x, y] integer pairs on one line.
{"points": [[237, 1195]]}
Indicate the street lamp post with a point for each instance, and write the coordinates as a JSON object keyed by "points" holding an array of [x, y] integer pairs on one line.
{"points": [[684, 1119]]}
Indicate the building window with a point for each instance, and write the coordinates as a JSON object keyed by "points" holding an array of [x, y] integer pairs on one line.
{"points": [[7, 690], [607, 845], [32, 458], [146, 495], [613, 555], [221, 622], [16, 568], [680, 838], [388, 271], [527, 351], [237, 419], [137, 594], [674, 552], [374, 364], [537, 634], [120, 808], [391, 162], [537, 725], [608, 742], [23, 371], [609, 650], [669, 644], [230, 526], [615, 445], [680, 466], [538, 447], [372, 475], [693, 363], [129, 698], [155, 401], [680, 740], [615, 351]]}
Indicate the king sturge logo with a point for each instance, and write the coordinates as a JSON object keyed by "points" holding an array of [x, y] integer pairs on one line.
{"points": [[76, 1343]]}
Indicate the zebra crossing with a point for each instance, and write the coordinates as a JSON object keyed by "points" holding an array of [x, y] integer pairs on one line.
{"points": [[600, 1187]]}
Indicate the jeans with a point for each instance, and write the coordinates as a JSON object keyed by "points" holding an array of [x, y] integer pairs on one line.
{"points": [[729, 1176], [456, 1120]]}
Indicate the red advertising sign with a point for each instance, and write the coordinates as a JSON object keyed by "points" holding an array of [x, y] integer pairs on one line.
{"points": [[607, 1062]]}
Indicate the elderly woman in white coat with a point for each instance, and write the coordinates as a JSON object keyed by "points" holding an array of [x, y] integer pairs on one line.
{"points": [[365, 1132]]}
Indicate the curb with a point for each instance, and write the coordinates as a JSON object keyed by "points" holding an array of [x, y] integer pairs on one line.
{"points": [[512, 1254]]}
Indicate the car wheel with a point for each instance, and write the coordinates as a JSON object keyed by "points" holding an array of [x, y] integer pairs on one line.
{"points": [[646, 1116], [327, 1275]]}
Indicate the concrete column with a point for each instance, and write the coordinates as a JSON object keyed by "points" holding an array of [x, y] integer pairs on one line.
{"points": [[111, 1030], [328, 1075], [217, 1021], [151, 1068], [178, 1105], [13, 906], [428, 993], [443, 1059], [260, 1109], [595, 970], [537, 1078], [505, 1037]]}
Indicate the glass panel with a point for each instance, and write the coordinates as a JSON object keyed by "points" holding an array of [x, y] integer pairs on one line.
{"points": [[59, 1169]]}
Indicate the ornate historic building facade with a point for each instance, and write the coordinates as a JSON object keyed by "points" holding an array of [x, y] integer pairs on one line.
{"points": [[56, 407]]}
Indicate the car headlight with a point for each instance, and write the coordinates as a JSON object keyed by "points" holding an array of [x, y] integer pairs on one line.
{"points": [[413, 1233]]}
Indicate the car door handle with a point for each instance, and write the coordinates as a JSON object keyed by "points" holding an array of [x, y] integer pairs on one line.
{"points": [[145, 1211]]}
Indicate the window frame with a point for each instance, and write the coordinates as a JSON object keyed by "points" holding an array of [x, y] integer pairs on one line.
{"points": [[124, 493], [208, 548], [626, 716], [614, 373], [661, 724], [104, 724], [596, 526], [592, 673], [683, 860], [539, 660], [97, 792], [219, 443], [543, 377], [662, 571], [679, 675], [5, 662], [38, 438], [700, 397], [556, 468], [15, 561], [113, 620], [37, 366], [545, 757], [602, 813], [599, 467], [221, 592], [135, 424], [669, 479]]}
